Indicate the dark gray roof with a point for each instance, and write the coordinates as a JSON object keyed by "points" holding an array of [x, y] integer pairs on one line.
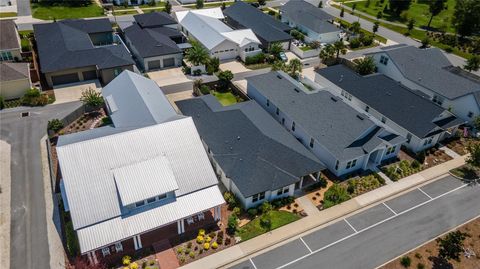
{"points": [[399, 104], [9, 38], [308, 15], [432, 70], [13, 71], [332, 123], [154, 19], [250, 146], [263, 25], [151, 42], [66, 44]]}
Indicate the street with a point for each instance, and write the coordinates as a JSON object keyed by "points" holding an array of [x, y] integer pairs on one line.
{"points": [[381, 233], [29, 246]]}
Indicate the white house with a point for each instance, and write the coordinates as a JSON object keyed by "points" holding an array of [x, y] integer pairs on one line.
{"points": [[129, 186], [313, 21], [430, 72], [206, 26], [391, 105], [344, 139], [254, 156]]}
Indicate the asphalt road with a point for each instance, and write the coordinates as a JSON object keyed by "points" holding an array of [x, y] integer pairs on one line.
{"points": [[29, 241], [380, 233]]}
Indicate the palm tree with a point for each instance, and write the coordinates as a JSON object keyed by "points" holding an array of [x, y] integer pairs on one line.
{"points": [[197, 54], [278, 65], [355, 27], [366, 66], [327, 53], [339, 47], [295, 67], [275, 49]]}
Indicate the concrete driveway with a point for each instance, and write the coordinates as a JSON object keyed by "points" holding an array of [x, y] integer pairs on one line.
{"points": [[234, 66], [168, 76], [72, 92]]}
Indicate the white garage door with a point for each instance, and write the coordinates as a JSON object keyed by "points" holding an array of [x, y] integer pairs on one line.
{"points": [[226, 54]]}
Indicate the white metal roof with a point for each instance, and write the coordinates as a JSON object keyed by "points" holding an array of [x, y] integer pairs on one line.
{"points": [[136, 101], [145, 179], [87, 166], [215, 13], [119, 228], [210, 31]]}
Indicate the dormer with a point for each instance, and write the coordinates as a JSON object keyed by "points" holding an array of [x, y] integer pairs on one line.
{"points": [[145, 182]]}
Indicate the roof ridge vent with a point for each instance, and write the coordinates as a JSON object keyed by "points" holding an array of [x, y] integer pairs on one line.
{"points": [[360, 117]]}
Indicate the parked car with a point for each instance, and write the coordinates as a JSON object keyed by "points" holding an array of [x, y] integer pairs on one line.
{"points": [[283, 56]]}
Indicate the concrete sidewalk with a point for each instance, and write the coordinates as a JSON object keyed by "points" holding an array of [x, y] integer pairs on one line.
{"points": [[232, 255]]}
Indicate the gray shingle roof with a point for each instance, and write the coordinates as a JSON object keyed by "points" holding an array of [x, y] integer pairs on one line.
{"points": [[66, 44], [250, 146], [151, 42], [9, 38], [432, 70], [13, 71], [308, 15], [331, 122], [263, 25], [396, 102], [154, 19]]}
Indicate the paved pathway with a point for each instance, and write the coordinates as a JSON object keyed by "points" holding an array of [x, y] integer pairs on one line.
{"points": [[5, 183], [307, 205], [29, 245], [449, 152], [285, 233]]}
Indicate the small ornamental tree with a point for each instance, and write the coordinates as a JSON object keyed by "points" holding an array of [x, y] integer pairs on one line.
{"points": [[225, 77], [199, 4], [474, 158], [375, 27], [92, 98], [366, 66], [168, 7], [451, 246], [473, 63]]}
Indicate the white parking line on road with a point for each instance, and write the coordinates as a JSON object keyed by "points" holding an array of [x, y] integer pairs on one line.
{"points": [[355, 230], [301, 239], [369, 227], [253, 264], [390, 209], [429, 197]]}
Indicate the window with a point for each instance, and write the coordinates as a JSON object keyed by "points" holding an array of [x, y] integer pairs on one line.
{"points": [[139, 204], [105, 251], [367, 108], [293, 126], [409, 138], [428, 141], [258, 197], [470, 114], [151, 200], [162, 196], [384, 119], [311, 142], [117, 71], [351, 164], [268, 102], [246, 49], [336, 165], [6, 56], [383, 60], [391, 150], [282, 190], [279, 192], [278, 111]]}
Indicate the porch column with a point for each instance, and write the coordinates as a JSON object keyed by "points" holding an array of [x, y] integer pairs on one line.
{"points": [[217, 213], [92, 258], [137, 242], [301, 183], [89, 255], [180, 226]]}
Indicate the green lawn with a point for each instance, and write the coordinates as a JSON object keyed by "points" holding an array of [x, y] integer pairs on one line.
{"points": [[7, 14], [24, 40], [254, 228], [60, 12], [226, 98], [157, 4], [153, 10], [419, 11], [365, 32]]}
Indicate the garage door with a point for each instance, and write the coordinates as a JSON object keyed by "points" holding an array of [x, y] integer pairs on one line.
{"points": [[154, 65], [168, 62], [89, 75], [64, 79]]}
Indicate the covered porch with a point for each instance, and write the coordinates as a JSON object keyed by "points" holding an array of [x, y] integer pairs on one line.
{"points": [[142, 245]]}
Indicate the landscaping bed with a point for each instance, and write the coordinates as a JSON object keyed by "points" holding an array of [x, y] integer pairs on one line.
{"points": [[466, 171], [426, 256], [227, 96], [401, 169], [459, 143]]}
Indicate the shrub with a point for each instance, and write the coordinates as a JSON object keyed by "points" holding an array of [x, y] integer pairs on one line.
{"points": [[420, 266], [367, 40], [181, 259], [449, 49], [272, 13], [336, 194], [297, 35], [219, 240], [206, 246], [151, 262], [415, 164], [33, 97], [204, 89], [255, 59], [405, 261], [201, 232], [200, 239], [55, 125], [420, 156], [227, 241], [355, 43], [214, 245], [208, 239], [232, 224], [197, 72], [180, 250], [266, 207], [91, 98], [231, 200], [214, 63], [192, 254], [187, 70], [189, 244], [134, 265], [418, 255], [2, 102], [126, 260], [315, 44], [236, 211]]}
